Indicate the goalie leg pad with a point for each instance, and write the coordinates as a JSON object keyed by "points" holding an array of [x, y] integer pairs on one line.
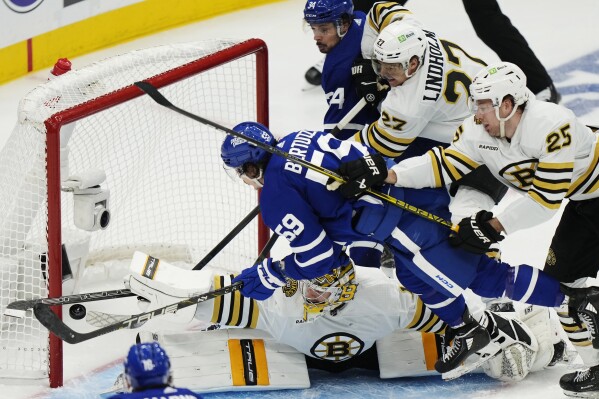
{"points": [[233, 360], [407, 353]]}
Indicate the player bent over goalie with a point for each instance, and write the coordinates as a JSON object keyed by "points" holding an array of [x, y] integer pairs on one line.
{"points": [[352, 317], [318, 223]]}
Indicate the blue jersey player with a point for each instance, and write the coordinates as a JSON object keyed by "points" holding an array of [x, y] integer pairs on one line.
{"points": [[337, 30], [319, 224], [148, 375]]}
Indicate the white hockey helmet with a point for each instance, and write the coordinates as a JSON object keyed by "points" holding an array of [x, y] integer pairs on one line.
{"points": [[328, 292], [398, 43], [496, 81]]}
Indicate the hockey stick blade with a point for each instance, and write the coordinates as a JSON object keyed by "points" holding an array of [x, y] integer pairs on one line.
{"points": [[65, 300], [153, 92], [52, 322]]}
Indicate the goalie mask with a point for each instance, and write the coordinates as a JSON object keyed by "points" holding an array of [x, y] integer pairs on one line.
{"points": [[242, 158], [147, 365], [328, 293]]}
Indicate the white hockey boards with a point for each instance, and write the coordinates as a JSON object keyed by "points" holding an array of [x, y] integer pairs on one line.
{"points": [[95, 170]]}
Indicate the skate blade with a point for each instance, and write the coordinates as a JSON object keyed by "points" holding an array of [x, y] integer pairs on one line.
{"points": [[591, 395], [491, 350]]}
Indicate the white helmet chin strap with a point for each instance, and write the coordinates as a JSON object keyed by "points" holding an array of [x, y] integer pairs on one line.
{"points": [[503, 120]]}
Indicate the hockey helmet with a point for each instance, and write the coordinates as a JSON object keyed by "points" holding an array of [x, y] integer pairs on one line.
{"points": [[397, 44], [322, 11], [236, 151], [147, 365], [329, 292], [496, 81]]}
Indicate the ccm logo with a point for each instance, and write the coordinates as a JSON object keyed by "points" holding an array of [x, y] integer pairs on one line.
{"points": [[444, 281]]}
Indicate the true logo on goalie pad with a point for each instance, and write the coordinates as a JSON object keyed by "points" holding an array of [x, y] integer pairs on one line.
{"points": [[248, 362], [150, 267]]}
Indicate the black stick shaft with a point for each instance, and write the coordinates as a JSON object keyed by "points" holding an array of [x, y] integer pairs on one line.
{"points": [[225, 241], [52, 322], [68, 299], [150, 90]]}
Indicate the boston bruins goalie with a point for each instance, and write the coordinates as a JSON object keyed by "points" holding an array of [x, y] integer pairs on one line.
{"points": [[354, 317]]}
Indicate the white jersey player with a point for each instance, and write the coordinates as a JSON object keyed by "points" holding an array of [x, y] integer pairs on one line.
{"points": [[543, 151], [429, 79], [427, 102], [337, 318]]}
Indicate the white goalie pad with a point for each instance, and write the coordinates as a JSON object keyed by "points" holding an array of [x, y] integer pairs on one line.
{"points": [[163, 284], [406, 353], [233, 360]]}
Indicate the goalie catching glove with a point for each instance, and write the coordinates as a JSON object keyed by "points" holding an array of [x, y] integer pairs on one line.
{"points": [[475, 233], [367, 82], [260, 281], [360, 175]]}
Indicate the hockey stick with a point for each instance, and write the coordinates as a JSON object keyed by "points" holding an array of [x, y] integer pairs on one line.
{"points": [[267, 247], [52, 322], [244, 222], [102, 319], [349, 116], [150, 90], [18, 308]]}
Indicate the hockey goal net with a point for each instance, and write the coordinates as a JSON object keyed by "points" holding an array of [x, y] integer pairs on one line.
{"points": [[95, 170]]}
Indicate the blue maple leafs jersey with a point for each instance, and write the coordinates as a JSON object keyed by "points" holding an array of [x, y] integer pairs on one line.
{"points": [[296, 204], [337, 82]]}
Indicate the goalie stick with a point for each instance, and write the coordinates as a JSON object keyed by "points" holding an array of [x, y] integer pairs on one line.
{"points": [[14, 309], [44, 314], [153, 92], [101, 319], [18, 308], [54, 324]]}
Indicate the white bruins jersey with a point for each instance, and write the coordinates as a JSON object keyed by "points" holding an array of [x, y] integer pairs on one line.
{"points": [[551, 156], [379, 308], [432, 103]]}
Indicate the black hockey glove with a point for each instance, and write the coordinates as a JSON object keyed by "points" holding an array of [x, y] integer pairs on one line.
{"points": [[367, 82], [361, 174], [475, 234]]}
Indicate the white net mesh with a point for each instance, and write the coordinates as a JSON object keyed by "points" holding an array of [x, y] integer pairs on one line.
{"points": [[168, 193]]}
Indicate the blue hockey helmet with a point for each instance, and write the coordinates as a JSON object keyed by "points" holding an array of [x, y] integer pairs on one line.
{"points": [[322, 11], [147, 365], [235, 151]]}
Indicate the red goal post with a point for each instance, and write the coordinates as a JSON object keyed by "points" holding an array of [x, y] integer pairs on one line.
{"points": [[155, 178]]}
